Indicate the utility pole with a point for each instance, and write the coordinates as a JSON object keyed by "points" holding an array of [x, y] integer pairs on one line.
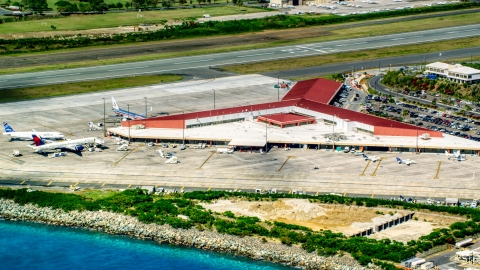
{"points": [[145, 107], [278, 89], [128, 119], [266, 138], [183, 129], [416, 124], [104, 126], [333, 134]]}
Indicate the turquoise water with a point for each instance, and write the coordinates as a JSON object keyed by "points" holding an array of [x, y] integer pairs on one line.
{"points": [[26, 245]]}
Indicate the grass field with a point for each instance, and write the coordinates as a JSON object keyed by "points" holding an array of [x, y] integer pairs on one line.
{"points": [[312, 61], [81, 22], [349, 31], [83, 87]]}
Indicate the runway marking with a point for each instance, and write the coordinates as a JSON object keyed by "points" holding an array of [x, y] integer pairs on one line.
{"points": [[61, 75], [22, 182], [129, 186], [373, 195], [199, 168], [316, 194], [196, 61], [129, 152], [119, 69], [358, 43], [397, 38], [376, 168], [281, 167], [438, 170], [317, 50], [49, 183], [255, 54], [209, 189], [363, 173], [102, 185]]}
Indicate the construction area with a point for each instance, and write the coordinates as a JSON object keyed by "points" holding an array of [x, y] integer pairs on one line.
{"points": [[338, 218]]}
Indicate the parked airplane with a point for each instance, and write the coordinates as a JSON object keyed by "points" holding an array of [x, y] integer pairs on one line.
{"points": [[372, 158], [127, 114], [77, 145], [406, 161], [28, 135]]}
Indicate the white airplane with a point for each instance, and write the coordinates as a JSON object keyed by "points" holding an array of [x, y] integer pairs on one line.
{"points": [[127, 114], [372, 158], [406, 161], [455, 154], [28, 135], [77, 145]]}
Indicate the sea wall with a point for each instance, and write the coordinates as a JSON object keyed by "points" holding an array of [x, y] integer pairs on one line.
{"points": [[113, 223]]}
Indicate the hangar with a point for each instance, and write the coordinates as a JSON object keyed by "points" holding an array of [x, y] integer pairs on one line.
{"points": [[305, 107]]}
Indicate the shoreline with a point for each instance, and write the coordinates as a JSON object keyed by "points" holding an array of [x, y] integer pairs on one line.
{"points": [[120, 224]]}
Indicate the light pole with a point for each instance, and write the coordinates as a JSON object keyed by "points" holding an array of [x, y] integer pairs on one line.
{"points": [[416, 124], [145, 107], [183, 129], [278, 89], [333, 134], [213, 99], [128, 119], [104, 127], [266, 138]]}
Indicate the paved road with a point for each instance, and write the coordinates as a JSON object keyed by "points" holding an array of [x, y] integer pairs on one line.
{"points": [[177, 65]]}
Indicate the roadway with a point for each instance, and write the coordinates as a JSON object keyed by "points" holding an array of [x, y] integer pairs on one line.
{"points": [[182, 64]]}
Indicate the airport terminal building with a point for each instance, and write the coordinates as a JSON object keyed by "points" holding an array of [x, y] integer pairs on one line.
{"points": [[302, 118]]}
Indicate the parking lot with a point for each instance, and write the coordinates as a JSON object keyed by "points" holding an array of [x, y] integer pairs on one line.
{"points": [[361, 7]]}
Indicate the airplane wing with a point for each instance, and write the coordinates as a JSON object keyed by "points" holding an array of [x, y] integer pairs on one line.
{"points": [[74, 147]]}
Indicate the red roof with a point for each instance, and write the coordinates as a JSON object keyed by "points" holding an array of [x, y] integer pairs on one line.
{"points": [[286, 118], [353, 115], [319, 90], [202, 114]]}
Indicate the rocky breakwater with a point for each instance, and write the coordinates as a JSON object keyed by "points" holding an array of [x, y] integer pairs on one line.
{"points": [[114, 223]]}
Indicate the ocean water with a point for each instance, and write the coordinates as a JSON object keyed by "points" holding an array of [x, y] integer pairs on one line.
{"points": [[26, 245]]}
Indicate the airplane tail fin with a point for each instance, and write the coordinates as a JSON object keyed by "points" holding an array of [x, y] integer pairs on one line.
{"points": [[37, 140], [7, 127], [115, 106], [364, 156], [399, 160]]}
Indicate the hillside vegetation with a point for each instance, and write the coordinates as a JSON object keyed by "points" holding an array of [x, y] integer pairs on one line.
{"points": [[183, 211]]}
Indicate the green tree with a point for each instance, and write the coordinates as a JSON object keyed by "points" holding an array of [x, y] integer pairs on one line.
{"points": [[119, 5], [98, 5], [128, 4], [36, 5], [182, 2]]}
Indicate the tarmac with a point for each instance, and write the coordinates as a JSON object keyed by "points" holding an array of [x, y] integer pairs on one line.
{"points": [[308, 170]]}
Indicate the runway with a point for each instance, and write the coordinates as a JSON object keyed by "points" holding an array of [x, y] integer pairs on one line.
{"points": [[183, 64]]}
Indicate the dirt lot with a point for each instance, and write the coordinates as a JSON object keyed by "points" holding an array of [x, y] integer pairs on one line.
{"points": [[186, 45], [338, 218]]}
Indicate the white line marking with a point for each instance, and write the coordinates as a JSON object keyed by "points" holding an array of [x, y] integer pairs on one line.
{"points": [[3, 81], [255, 54], [61, 75], [397, 38], [302, 47], [193, 61], [358, 43], [119, 69]]}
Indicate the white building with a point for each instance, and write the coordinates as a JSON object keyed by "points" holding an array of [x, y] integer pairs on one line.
{"points": [[456, 73]]}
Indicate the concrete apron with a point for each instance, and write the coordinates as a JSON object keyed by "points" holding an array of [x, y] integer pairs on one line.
{"points": [[312, 182]]}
